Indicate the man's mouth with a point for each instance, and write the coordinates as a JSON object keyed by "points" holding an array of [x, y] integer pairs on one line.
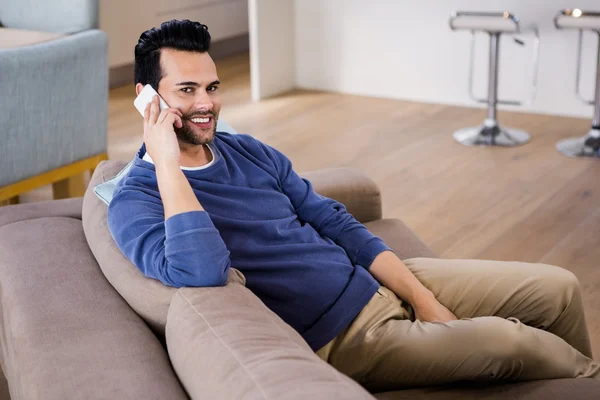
{"points": [[202, 122]]}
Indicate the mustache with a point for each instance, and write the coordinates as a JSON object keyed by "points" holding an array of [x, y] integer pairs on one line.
{"points": [[199, 114]]}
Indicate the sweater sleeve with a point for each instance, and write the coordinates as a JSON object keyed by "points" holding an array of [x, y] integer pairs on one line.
{"points": [[326, 215], [185, 250]]}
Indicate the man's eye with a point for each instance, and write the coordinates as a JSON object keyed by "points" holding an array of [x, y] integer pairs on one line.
{"points": [[212, 88], [187, 90]]}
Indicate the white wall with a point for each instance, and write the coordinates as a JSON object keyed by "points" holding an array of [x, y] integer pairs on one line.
{"points": [[272, 47], [124, 21], [404, 49]]}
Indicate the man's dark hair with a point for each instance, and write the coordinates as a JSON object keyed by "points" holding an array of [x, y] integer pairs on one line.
{"points": [[182, 35]]}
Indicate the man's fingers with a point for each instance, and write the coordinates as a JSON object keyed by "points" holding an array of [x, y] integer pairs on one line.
{"points": [[168, 111], [147, 112], [146, 117], [174, 119], [154, 110]]}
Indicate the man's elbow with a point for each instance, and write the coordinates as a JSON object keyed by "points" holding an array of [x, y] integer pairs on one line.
{"points": [[200, 275], [212, 279]]}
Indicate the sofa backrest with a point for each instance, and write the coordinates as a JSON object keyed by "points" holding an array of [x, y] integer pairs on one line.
{"points": [[63, 16], [148, 297]]}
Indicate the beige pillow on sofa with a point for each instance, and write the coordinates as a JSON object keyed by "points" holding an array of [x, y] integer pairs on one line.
{"points": [[148, 297]]}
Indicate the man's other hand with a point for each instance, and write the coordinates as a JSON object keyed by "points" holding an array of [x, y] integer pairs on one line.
{"points": [[428, 309]]}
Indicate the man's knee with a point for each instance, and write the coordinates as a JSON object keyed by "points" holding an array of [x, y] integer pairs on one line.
{"points": [[504, 340], [557, 277], [560, 284], [569, 282]]}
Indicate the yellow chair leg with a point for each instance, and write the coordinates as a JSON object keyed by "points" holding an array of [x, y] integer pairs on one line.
{"points": [[73, 186], [9, 202]]}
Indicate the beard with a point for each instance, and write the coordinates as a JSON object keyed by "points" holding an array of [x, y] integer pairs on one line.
{"points": [[186, 134]]}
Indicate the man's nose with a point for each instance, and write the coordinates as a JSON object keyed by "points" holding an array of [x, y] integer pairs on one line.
{"points": [[203, 101]]}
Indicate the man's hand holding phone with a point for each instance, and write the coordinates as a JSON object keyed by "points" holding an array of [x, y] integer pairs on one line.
{"points": [[159, 133], [162, 145]]}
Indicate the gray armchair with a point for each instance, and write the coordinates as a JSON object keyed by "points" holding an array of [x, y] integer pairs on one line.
{"points": [[53, 124]]}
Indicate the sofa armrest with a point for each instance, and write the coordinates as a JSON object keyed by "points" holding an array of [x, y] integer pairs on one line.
{"points": [[405, 243], [64, 331], [70, 208], [224, 343], [351, 187]]}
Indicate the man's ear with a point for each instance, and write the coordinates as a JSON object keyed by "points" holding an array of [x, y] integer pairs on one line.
{"points": [[138, 88]]}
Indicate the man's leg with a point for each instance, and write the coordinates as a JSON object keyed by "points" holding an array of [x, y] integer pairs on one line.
{"points": [[384, 349], [539, 295]]}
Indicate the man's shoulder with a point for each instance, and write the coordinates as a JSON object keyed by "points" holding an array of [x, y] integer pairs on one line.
{"points": [[242, 142], [241, 138], [252, 149]]}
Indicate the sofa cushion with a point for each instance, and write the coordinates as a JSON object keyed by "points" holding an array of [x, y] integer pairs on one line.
{"points": [[224, 344], [148, 297], [64, 331]]}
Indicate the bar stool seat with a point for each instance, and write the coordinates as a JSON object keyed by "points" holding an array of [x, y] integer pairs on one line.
{"points": [[569, 19], [491, 133], [485, 22]]}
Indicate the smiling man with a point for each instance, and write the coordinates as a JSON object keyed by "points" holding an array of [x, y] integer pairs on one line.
{"points": [[197, 202]]}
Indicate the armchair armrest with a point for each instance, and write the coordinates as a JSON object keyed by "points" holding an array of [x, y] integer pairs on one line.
{"points": [[70, 73], [351, 187], [70, 208], [224, 343]]}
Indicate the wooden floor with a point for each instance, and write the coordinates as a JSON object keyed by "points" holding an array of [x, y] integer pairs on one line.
{"points": [[528, 203]]}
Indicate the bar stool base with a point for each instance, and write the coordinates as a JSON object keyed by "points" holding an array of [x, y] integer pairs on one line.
{"points": [[586, 146], [495, 135]]}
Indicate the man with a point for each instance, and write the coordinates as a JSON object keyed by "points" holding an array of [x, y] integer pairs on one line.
{"points": [[197, 202]]}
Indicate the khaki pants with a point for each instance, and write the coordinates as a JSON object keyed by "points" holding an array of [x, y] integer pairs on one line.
{"points": [[517, 321]]}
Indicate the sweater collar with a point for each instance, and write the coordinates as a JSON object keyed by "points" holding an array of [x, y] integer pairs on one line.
{"points": [[139, 161]]}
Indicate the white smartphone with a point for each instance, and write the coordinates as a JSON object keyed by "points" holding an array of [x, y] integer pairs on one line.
{"points": [[145, 97]]}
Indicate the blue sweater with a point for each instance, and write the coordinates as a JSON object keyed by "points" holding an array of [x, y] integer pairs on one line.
{"points": [[302, 254]]}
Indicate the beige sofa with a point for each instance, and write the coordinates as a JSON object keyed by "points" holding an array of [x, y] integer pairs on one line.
{"points": [[78, 321]]}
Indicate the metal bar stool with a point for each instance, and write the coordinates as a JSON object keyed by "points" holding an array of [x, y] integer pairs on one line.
{"points": [[589, 145], [490, 133]]}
